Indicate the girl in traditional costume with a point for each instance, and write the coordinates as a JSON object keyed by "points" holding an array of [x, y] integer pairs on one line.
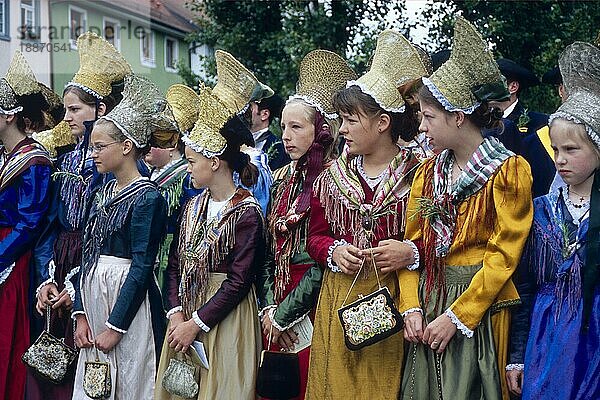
{"points": [[93, 92], [290, 281], [470, 209], [363, 191], [170, 167], [237, 87], [118, 306], [555, 332], [25, 169], [210, 289]]}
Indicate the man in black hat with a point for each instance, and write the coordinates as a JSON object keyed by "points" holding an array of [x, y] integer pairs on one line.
{"points": [[518, 79], [263, 113]]}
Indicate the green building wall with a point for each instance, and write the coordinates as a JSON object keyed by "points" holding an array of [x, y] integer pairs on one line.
{"points": [[65, 61]]}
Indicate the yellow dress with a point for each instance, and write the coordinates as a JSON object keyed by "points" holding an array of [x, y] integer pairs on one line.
{"points": [[492, 227]]}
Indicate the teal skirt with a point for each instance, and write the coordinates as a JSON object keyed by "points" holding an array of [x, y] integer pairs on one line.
{"points": [[468, 368]]}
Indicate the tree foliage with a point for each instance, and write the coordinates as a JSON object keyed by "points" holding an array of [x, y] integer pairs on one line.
{"points": [[532, 33], [272, 37]]}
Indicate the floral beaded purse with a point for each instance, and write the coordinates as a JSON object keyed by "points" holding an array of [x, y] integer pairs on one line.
{"points": [[49, 357], [97, 383], [371, 318], [181, 378]]}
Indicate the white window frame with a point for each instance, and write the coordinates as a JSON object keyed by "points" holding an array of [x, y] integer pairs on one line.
{"points": [[73, 41], [168, 68], [30, 9], [148, 62], [117, 30], [4, 6]]}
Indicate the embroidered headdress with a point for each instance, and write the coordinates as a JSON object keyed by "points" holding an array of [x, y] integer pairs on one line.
{"points": [[185, 104], [19, 81], [143, 112], [58, 136], [322, 73], [205, 137], [470, 76], [236, 85], [100, 65], [580, 68], [395, 63]]}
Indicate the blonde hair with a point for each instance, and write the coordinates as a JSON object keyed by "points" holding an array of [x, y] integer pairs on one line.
{"points": [[310, 113]]}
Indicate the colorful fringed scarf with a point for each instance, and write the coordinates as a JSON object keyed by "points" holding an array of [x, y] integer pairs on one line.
{"points": [[170, 181], [25, 154], [206, 244], [288, 227], [342, 195], [108, 214]]}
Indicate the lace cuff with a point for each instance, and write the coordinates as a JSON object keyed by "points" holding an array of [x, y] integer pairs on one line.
{"points": [[461, 327], [51, 270], [174, 310], [283, 328], [515, 367], [199, 322], [416, 255], [410, 310], [114, 328], [76, 313], [69, 285], [332, 266], [265, 310]]}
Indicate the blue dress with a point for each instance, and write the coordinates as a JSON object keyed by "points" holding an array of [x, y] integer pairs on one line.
{"points": [[561, 361]]}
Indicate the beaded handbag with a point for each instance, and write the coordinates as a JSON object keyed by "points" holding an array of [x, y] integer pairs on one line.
{"points": [[97, 383], [49, 357], [371, 318], [180, 378]]}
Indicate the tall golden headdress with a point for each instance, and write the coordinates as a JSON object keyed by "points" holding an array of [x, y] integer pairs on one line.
{"points": [[58, 136], [185, 104], [470, 75], [205, 137], [322, 73], [100, 65], [19, 81], [143, 112], [236, 85], [580, 68], [396, 62]]}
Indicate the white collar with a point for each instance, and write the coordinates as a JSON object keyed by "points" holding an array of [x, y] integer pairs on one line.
{"points": [[510, 109]]}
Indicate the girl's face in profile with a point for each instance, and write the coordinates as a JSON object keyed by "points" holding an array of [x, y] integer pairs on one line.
{"points": [[575, 157]]}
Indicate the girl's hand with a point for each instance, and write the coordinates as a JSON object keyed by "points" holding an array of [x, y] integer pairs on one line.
{"points": [[439, 332], [390, 255], [288, 339], [413, 327], [183, 335], [46, 297], [107, 340], [267, 326], [83, 334], [63, 300], [514, 380], [175, 319], [348, 258]]}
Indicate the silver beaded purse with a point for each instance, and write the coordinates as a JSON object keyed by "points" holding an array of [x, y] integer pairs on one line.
{"points": [[97, 383], [181, 378], [49, 357]]}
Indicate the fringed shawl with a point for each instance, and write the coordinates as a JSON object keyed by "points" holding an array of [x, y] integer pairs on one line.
{"points": [[555, 251], [342, 196], [287, 227], [204, 245], [26, 153], [170, 183], [108, 214]]}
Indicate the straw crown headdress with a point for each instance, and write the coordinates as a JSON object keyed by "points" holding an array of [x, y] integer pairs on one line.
{"points": [[142, 112], [580, 68], [19, 81], [100, 65], [322, 73], [185, 104], [396, 62], [58, 136], [236, 85], [470, 75], [205, 137]]}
